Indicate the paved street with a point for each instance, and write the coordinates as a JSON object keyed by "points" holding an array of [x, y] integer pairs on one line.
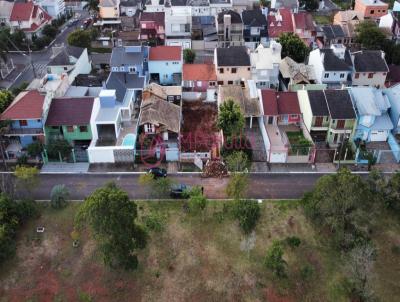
{"points": [[271, 186], [42, 58]]}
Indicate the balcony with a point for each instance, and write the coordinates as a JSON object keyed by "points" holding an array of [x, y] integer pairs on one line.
{"points": [[24, 132]]}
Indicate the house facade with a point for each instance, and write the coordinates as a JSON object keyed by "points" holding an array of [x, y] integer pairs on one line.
{"points": [[178, 26], [29, 17], [255, 30], [373, 121], [304, 27], [332, 66], [229, 28], [109, 9], [72, 60], [130, 59], [370, 68], [26, 115], [232, 65], [348, 21], [265, 65], [152, 26], [165, 64], [198, 79], [371, 9]]}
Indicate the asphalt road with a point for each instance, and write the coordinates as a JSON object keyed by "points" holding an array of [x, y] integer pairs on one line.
{"points": [[40, 59], [265, 186]]}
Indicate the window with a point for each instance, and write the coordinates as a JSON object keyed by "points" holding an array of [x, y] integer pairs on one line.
{"points": [[149, 128], [122, 68], [372, 12], [293, 116], [230, 82], [65, 68], [132, 69], [220, 82], [23, 123], [211, 83], [326, 75], [199, 83], [70, 128], [357, 75], [248, 68], [340, 124], [233, 70], [221, 70], [370, 75], [83, 129], [342, 75]]}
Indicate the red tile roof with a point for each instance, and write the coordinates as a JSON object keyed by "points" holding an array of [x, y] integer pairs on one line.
{"points": [[22, 11], [304, 21], [269, 102], [70, 111], [288, 103], [277, 103], [199, 72], [280, 23], [157, 17], [28, 105], [165, 53]]}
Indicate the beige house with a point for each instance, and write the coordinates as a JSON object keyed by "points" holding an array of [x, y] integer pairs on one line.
{"points": [[370, 68], [109, 9], [348, 20], [232, 65]]}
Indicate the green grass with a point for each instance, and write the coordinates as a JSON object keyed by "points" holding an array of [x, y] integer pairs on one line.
{"points": [[322, 20]]}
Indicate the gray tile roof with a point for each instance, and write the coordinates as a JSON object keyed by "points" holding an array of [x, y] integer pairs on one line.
{"points": [[233, 56], [120, 56], [370, 61], [333, 63], [235, 17], [318, 103], [340, 104], [62, 58], [254, 17], [333, 31], [121, 81]]}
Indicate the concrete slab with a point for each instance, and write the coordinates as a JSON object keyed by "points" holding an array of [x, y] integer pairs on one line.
{"points": [[65, 168]]}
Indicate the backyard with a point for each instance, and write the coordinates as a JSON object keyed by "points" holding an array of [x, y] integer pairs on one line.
{"points": [[299, 145], [192, 258]]}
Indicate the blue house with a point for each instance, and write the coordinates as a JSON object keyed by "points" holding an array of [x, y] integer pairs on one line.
{"points": [[130, 59], [165, 65], [393, 95], [373, 121], [25, 115]]}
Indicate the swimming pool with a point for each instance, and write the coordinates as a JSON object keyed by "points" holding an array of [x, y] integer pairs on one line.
{"points": [[129, 140]]}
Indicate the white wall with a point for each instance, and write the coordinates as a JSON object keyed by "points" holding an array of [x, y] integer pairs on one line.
{"points": [[305, 108], [315, 61]]}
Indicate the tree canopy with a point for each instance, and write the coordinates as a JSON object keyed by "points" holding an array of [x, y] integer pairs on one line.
{"points": [[79, 38], [369, 35], [230, 118], [6, 97], [293, 47], [310, 5], [111, 216], [274, 260], [247, 212], [189, 55]]}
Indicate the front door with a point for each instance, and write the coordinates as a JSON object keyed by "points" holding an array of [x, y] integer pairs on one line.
{"points": [[318, 121], [340, 124], [270, 120]]}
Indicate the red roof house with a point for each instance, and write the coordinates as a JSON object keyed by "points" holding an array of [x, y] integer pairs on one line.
{"points": [[28, 105], [28, 17], [279, 22], [165, 53], [283, 104], [199, 77]]}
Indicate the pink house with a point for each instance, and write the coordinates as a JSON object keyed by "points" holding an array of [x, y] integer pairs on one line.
{"points": [[198, 77], [371, 9], [152, 26]]}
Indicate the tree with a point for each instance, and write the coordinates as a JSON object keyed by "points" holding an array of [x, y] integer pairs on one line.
{"points": [[4, 43], [79, 38], [369, 35], [27, 179], [247, 212], [35, 149], [274, 260], [340, 202], [293, 47], [92, 5], [6, 97], [50, 31], [59, 196], [237, 185], [237, 161], [360, 263], [230, 118], [111, 217], [310, 5], [59, 147], [189, 55], [391, 193]]}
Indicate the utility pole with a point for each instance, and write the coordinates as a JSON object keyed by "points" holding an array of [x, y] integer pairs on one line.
{"points": [[29, 54]]}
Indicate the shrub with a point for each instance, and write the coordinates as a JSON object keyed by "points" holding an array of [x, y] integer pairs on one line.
{"points": [[59, 196], [22, 160], [247, 212], [293, 241], [61, 146], [154, 222], [274, 260], [35, 149], [189, 55]]}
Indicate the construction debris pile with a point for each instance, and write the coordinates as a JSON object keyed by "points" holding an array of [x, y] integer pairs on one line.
{"points": [[215, 168]]}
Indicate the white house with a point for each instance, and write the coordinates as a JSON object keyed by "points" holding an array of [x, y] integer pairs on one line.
{"points": [[178, 24], [265, 65], [333, 66], [55, 8]]}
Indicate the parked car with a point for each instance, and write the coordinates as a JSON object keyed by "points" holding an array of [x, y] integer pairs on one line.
{"points": [[179, 191], [158, 172], [86, 23], [72, 22]]}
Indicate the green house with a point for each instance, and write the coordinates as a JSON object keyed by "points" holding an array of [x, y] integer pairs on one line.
{"points": [[69, 119]]}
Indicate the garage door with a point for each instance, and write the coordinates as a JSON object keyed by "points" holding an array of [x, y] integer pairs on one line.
{"points": [[277, 157], [378, 136]]}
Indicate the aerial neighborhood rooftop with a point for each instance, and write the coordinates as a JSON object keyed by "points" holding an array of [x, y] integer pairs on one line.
{"points": [[309, 88]]}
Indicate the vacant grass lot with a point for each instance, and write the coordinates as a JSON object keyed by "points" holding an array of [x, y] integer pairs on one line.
{"points": [[192, 258]]}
